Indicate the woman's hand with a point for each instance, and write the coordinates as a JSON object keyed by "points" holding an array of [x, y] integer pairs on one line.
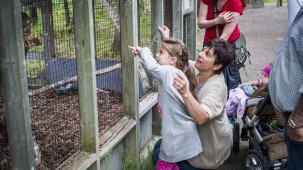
{"points": [[180, 84], [295, 134], [135, 50], [164, 32], [224, 17], [297, 117]]}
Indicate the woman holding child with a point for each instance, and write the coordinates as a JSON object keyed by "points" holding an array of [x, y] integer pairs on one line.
{"points": [[208, 112]]}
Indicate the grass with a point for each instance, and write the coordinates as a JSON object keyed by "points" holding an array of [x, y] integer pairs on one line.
{"points": [[129, 164], [34, 67]]}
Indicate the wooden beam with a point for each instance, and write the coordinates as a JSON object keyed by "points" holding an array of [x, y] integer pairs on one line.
{"points": [[81, 161], [114, 135], [14, 81], [190, 31], [130, 82], [157, 19], [85, 53], [149, 101], [48, 28], [177, 19]]}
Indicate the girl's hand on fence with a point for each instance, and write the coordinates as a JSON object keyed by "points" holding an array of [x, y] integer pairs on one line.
{"points": [[224, 17], [164, 32], [135, 50]]}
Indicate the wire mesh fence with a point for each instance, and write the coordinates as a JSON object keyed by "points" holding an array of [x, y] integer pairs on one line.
{"points": [[168, 13], [144, 16], [5, 162], [51, 65], [144, 40], [108, 57]]}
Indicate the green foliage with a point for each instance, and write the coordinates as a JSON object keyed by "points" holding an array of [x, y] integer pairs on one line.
{"points": [[106, 34], [130, 164], [107, 159], [149, 165], [145, 31], [34, 67], [105, 31]]}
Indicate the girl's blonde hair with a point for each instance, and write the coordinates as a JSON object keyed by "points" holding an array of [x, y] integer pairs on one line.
{"points": [[176, 47]]}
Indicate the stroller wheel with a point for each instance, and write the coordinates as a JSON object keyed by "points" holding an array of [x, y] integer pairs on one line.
{"points": [[255, 160], [236, 137]]}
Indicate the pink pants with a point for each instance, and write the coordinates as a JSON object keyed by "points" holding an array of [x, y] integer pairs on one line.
{"points": [[162, 165]]}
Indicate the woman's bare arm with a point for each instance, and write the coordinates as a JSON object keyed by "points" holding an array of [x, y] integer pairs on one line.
{"points": [[224, 17], [230, 27]]}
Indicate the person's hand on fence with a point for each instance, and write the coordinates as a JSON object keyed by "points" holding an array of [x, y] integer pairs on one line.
{"points": [[135, 50], [224, 17], [164, 32]]}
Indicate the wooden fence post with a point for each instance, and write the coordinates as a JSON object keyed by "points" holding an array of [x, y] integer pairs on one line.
{"points": [[85, 53], [14, 81], [190, 31], [177, 19], [157, 19], [130, 82]]}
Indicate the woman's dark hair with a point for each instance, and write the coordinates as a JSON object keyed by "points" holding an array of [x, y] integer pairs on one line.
{"points": [[176, 47], [224, 52]]}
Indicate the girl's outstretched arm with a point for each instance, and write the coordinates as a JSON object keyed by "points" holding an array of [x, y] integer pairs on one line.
{"points": [[135, 50]]}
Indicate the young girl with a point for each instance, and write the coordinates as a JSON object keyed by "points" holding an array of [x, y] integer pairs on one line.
{"points": [[180, 139]]}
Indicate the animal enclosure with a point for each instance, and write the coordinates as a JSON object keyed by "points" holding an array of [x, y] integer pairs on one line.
{"points": [[50, 60], [56, 59]]}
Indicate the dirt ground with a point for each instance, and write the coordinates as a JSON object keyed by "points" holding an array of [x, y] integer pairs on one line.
{"points": [[56, 125]]}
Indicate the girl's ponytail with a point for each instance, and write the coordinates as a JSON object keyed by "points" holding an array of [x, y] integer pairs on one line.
{"points": [[177, 48], [190, 74]]}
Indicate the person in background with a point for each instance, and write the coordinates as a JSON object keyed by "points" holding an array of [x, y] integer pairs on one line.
{"points": [[228, 12], [286, 89], [293, 8], [180, 139], [209, 110]]}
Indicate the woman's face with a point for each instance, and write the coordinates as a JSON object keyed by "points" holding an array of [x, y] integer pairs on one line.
{"points": [[205, 60], [163, 57]]}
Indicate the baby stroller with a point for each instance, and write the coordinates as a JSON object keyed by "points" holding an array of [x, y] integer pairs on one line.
{"points": [[264, 124]]}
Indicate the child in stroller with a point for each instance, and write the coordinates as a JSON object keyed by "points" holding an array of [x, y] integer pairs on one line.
{"points": [[235, 106], [238, 96], [267, 149]]}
